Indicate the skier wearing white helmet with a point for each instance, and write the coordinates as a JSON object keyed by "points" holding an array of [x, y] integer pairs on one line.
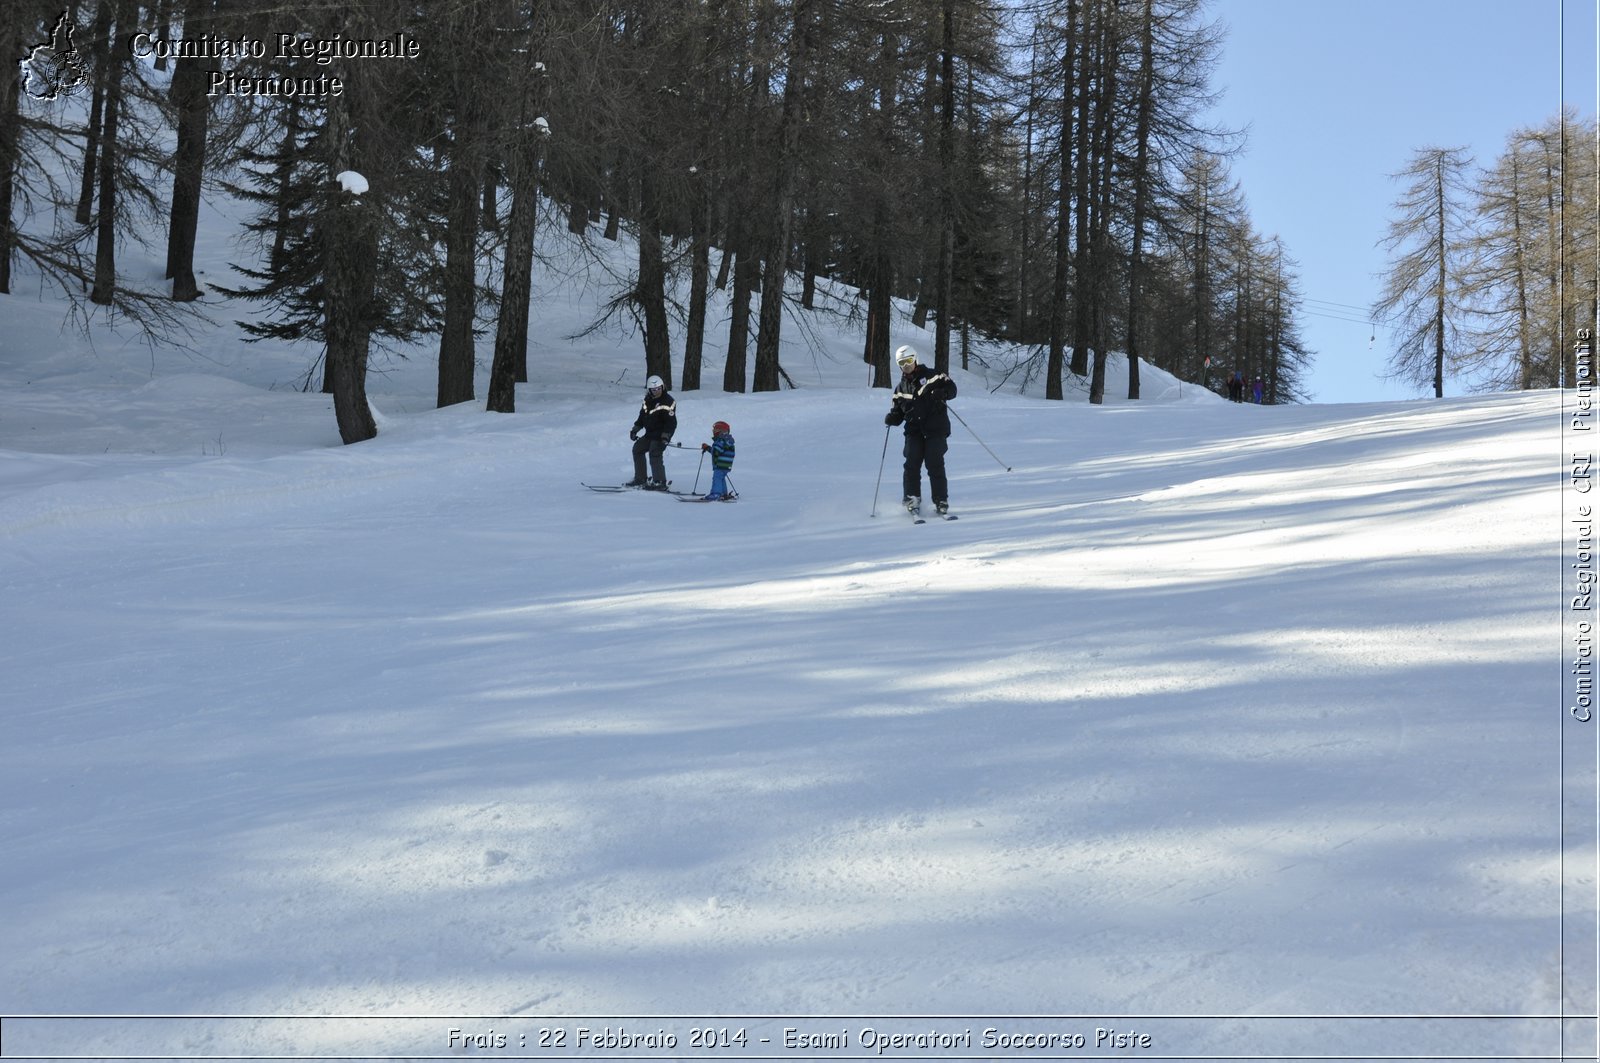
{"points": [[652, 431], [919, 404]]}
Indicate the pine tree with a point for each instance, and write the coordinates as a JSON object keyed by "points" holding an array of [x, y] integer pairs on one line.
{"points": [[1513, 337], [1422, 287]]}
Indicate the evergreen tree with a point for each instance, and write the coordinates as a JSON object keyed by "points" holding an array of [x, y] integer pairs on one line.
{"points": [[1423, 290], [1513, 337]]}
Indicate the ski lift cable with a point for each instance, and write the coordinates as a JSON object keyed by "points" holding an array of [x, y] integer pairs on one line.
{"points": [[1358, 312], [1330, 302], [1348, 316]]}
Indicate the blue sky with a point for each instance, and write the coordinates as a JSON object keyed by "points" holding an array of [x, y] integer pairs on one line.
{"points": [[1337, 96]]}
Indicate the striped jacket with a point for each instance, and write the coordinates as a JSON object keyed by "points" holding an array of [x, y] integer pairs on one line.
{"points": [[658, 417], [722, 451], [919, 401]]}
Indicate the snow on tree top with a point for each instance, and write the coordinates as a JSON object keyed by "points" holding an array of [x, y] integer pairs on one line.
{"points": [[352, 182]]}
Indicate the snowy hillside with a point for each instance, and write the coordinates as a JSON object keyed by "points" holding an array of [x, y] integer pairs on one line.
{"points": [[1199, 713]]}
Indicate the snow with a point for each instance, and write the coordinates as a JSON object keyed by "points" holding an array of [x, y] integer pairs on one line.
{"points": [[352, 182], [1201, 710]]}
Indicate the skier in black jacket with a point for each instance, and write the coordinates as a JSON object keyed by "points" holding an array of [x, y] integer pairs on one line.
{"points": [[651, 432], [919, 404]]}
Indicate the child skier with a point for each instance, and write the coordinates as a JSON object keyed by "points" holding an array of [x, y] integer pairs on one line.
{"points": [[721, 448]]}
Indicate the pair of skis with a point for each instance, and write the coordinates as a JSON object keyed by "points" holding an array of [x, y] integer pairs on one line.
{"points": [[917, 517], [703, 498], [617, 489], [681, 496]]}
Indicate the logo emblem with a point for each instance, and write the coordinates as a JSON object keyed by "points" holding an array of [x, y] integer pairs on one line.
{"points": [[54, 68]]}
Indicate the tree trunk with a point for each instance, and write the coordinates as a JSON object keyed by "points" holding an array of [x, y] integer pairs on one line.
{"points": [[102, 70], [350, 256], [808, 284], [489, 212], [652, 290], [285, 199], [923, 304], [945, 277], [10, 151], [810, 237], [786, 170], [1275, 347], [1562, 369], [1066, 184], [1100, 239], [163, 13], [1202, 272], [1141, 191], [457, 352], [744, 282], [1022, 327], [881, 266], [1244, 307], [1440, 246], [1520, 261], [522, 170], [1082, 163], [511, 331], [105, 245], [352, 270], [699, 285], [189, 160], [880, 310]]}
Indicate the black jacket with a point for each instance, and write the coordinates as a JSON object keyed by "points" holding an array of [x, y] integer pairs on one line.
{"points": [[919, 401], [658, 417]]}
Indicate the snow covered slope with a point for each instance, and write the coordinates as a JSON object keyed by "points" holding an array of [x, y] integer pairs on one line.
{"points": [[1200, 710]]}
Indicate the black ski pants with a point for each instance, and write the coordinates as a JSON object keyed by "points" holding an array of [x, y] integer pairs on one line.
{"points": [[926, 450], [654, 447]]}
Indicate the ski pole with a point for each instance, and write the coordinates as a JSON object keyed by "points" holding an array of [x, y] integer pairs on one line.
{"points": [[881, 459], [697, 469], [981, 443]]}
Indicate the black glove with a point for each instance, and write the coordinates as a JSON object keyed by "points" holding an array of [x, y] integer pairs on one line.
{"points": [[893, 417], [633, 433], [705, 446]]}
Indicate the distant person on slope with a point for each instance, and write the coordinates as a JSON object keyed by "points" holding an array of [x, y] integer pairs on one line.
{"points": [[721, 450], [652, 431], [919, 404]]}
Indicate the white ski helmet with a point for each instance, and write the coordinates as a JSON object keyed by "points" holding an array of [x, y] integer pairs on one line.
{"points": [[905, 355], [654, 382]]}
